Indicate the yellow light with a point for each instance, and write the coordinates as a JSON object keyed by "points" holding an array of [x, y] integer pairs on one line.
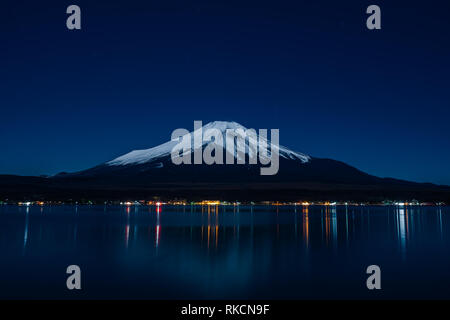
{"points": [[210, 202]]}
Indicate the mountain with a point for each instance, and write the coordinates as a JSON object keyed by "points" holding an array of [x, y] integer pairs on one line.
{"points": [[148, 173], [163, 150]]}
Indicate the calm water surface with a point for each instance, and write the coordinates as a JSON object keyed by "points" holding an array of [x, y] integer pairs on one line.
{"points": [[194, 252]]}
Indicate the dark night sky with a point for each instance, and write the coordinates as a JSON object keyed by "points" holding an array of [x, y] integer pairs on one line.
{"points": [[378, 100]]}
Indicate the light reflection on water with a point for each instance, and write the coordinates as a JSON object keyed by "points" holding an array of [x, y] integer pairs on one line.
{"points": [[225, 251]]}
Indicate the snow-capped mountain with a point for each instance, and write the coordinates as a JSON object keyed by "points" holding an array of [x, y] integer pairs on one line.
{"points": [[148, 173], [164, 150], [154, 167]]}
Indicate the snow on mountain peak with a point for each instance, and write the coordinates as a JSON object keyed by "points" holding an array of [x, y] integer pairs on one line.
{"points": [[148, 155], [223, 125]]}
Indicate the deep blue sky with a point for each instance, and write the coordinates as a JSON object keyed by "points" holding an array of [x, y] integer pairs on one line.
{"points": [[378, 100]]}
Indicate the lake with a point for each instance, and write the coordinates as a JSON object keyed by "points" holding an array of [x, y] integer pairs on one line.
{"points": [[224, 252]]}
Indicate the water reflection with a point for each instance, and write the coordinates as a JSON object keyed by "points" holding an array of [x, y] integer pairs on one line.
{"points": [[227, 246], [25, 235], [127, 227], [158, 226], [212, 225], [402, 228], [246, 223], [334, 226], [305, 226], [346, 224]]}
